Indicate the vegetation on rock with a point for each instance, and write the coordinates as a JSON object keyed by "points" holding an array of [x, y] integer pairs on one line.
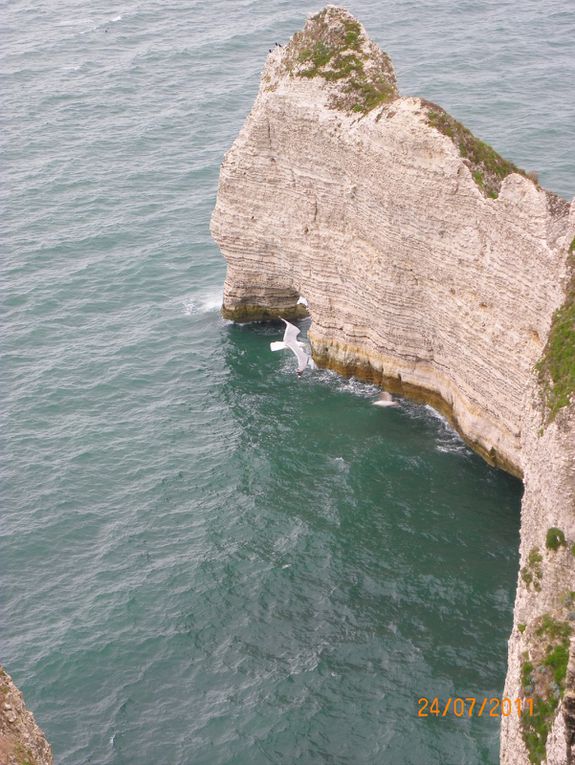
{"points": [[487, 167], [532, 573], [543, 672], [556, 368], [21, 740], [333, 46], [554, 539]]}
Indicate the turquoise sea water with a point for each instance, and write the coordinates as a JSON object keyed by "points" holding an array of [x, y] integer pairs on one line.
{"points": [[204, 560]]}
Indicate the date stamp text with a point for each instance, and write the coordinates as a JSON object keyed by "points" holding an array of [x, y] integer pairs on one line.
{"points": [[471, 706]]}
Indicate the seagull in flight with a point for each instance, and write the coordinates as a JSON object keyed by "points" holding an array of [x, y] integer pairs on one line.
{"points": [[290, 341]]}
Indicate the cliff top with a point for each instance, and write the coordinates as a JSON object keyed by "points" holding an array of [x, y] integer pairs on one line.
{"points": [[333, 45], [332, 64], [358, 77]]}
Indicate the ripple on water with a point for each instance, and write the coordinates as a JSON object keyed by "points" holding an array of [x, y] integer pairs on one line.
{"points": [[204, 559]]}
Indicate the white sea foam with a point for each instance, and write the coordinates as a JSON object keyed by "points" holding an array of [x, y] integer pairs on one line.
{"points": [[212, 301], [189, 306], [340, 464], [204, 303], [100, 24], [348, 385], [434, 413], [454, 448]]}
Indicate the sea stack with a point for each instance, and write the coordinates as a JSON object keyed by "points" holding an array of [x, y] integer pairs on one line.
{"points": [[435, 267]]}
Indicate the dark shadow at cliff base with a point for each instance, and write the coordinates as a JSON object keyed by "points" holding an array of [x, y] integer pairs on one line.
{"points": [[242, 314]]}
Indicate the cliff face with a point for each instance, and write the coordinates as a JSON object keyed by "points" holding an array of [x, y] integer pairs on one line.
{"points": [[432, 266], [542, 646], [21, 740]]}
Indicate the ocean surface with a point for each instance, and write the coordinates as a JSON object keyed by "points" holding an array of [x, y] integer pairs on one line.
{"points": [[204, 560]]}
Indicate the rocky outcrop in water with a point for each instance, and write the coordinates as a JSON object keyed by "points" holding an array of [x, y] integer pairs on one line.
{"points": [[21, 740], [438, 269]]}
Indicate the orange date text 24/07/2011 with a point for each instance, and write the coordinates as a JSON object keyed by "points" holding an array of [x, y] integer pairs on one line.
{"points": [[471, 706]]}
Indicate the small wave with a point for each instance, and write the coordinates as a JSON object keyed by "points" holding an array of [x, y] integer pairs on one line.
{"points": [[74, 22], [448, 440], [434, 413], [100, 24], [340, 464], [455, 448], [189, 306], [206, 303], [304, 661], [348, 385], [358, 388]]}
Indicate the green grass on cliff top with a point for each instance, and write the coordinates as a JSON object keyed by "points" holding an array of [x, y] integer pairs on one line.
{"points": [[488, 168], [331, 47], [556, 367]]}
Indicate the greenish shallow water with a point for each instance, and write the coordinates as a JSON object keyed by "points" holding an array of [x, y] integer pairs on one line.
{"points": [[203, 559]]}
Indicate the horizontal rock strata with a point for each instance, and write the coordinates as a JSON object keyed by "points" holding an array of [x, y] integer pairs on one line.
{"points": [[430, 265]]}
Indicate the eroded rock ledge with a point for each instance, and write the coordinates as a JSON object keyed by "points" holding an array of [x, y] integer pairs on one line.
{"points": [[21, 740], [432, 266]]}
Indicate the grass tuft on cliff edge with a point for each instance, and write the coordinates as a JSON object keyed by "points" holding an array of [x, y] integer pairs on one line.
{"points": [[488, 168], [556, 368], [333, 46]]}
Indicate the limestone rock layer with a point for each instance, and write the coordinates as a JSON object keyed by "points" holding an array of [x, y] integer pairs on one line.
{"points": [[429, 265]]}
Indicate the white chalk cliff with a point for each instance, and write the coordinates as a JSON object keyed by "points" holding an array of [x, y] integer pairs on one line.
{"points": [[436, 268]]}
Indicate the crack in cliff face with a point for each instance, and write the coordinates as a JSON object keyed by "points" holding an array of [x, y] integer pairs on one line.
{"points": [[431, 266]]}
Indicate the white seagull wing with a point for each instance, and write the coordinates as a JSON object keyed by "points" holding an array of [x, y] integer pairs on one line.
{"points": [[296, 348], [301, 356], [291, 332]]}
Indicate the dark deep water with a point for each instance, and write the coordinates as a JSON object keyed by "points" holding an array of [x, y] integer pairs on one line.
{"points": [[203, 560]]}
